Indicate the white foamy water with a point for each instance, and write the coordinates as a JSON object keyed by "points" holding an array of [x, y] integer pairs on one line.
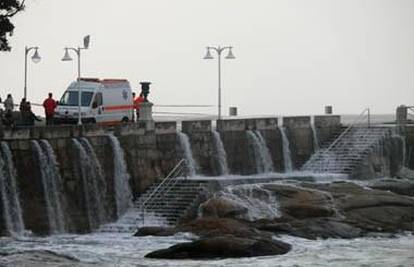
{"points": [[123, 250], [259, 202], [12, 212], [123, 195], [52, 183], [287, 155], [315, 138], [188, 154], [221, 153], [263, 159], [94, 184]]}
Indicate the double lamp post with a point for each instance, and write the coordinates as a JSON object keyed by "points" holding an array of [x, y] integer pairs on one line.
{"points": [[36, 59], [219, 50]]}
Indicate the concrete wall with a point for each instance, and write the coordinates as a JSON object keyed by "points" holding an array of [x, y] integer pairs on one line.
{"points": [[408, 132], [202, 146], [299, 132], [327, 127], [149, 154], [235, 140]]}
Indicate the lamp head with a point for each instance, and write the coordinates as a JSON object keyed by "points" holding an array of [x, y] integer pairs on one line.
{"points": [[208, 54], [230, 54], [66, 57], [86, 41], [36, 57]]}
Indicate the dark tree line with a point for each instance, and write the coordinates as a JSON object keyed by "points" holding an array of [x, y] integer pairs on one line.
{"points": [[8, 8]]}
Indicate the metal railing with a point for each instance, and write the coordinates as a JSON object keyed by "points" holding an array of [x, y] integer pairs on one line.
{"points": [[163, 187], [359, 121]]}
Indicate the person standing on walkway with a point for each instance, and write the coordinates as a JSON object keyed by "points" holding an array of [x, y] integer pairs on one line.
{"points": [[137, 103], [8, 107], [9, 103], [50, 105]]}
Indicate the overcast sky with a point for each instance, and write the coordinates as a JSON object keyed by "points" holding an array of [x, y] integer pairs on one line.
{"points": [[292, 56]]}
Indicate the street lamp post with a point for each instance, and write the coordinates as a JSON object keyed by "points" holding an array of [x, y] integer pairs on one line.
{"points": [[230, 55], [67, 57], [35, 58]]}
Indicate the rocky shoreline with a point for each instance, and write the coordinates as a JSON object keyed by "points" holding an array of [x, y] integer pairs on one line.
{"points": [[344, 209]]}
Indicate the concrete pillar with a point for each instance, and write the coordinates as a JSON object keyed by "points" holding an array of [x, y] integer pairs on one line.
{"points": [[401, 114], [145, 115]]}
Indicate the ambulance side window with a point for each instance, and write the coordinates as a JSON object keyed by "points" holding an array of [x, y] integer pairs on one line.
{"points": [[98, 100]]}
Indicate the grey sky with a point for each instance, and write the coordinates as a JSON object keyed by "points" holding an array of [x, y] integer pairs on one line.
{"points": [[293, 56]]}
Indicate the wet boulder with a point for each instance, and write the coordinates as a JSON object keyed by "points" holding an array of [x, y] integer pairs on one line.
{"points": [[222, 247], [300, 202], [221, 207], [155, 231]]}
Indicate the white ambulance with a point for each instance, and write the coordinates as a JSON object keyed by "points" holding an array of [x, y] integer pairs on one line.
{"points": [[107, 101]]}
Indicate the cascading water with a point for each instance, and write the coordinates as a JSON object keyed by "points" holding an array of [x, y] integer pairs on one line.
{"points": [[287, 156], [259, 202], [123, 195], [264, 163], [188, 154], [94, 185], [221, 153], [12, 211], [52, 183], [316, 145]]}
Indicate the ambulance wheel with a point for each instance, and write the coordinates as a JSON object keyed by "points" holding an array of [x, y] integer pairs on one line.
{"points": [[125, 119]]}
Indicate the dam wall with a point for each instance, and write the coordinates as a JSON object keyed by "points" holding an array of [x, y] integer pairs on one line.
{"points": [[149, 155]]}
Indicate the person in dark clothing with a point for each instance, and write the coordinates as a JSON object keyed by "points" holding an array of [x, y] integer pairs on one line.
{"points": [[30, 116]]}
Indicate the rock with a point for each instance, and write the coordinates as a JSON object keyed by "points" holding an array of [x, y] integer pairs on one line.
{"points": [[155, 231], [398, 186], [222, 247], [221, 207], [370, 209], [211, 227], [300, 202], [314, 228]]}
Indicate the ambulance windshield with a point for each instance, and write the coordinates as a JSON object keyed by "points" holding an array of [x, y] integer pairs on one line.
{"points": [[70, 98]]}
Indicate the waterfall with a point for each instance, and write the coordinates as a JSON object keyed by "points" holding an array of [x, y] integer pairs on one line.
{"points": [[264, 163], [123, 195], [287, 157], [221, 153], [260, 203], [315, 138], [12, 211], [94, 185], [188, 154], [52, 184]]}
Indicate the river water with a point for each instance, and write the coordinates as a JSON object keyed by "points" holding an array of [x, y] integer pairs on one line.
{"points": [[125, 250]]}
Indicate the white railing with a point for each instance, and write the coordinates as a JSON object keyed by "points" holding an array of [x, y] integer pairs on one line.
{"points": [[163, 187], [364, 119]]}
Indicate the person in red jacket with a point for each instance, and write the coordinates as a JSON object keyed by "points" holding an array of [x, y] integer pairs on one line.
{"points": [[137, 103], [49, 104]]}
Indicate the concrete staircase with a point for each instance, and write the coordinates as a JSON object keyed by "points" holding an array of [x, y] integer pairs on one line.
{"points": [[173, 204], [164, 209], [347, 151]]}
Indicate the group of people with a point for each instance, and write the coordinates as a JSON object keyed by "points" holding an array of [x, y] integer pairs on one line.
{"points": [[27, 117]]}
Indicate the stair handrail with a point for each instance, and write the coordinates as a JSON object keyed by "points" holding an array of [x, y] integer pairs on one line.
{"points": [[164, 181], [349, 128], [360, 117], [167, 186]]}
